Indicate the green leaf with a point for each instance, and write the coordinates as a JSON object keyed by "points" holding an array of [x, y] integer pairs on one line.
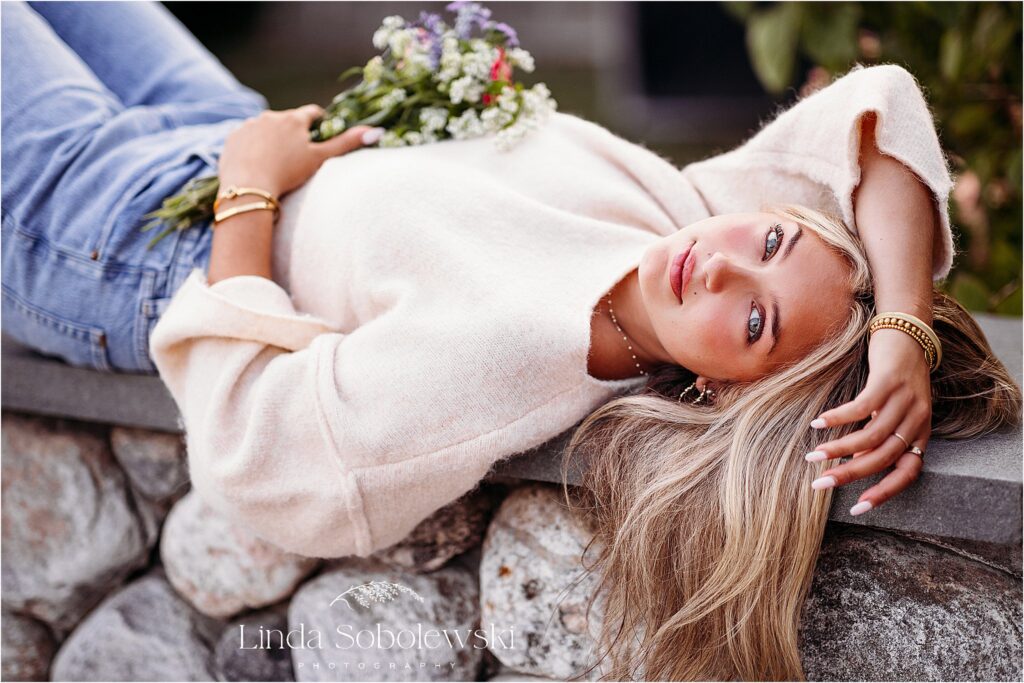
{"points": [[951, 54], [828, 33], [1012, 304], [772, 42], [970, 292], [739, 10]]}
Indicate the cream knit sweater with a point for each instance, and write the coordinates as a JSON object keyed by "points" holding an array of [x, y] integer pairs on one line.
{"points": [[430, 307]]}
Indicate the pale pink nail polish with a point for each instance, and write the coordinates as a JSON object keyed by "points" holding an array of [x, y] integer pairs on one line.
{"points": [[373, 135], [815, 456], [861, 508], [818, 423], [824, 483]]}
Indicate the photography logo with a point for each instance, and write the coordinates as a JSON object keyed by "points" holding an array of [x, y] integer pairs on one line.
{"points": [[360, 642], [375, 591]]}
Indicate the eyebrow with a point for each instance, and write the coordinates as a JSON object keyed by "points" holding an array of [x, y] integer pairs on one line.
{"points": [[776, 320]]}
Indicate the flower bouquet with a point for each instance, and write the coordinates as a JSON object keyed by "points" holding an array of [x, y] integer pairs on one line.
{"points": [[431, 82]]}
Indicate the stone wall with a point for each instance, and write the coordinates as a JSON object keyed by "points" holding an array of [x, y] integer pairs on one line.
{"points": [[113, 569]]}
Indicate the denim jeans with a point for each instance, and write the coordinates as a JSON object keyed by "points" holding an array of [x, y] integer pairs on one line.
{"points": [[107, 108]]}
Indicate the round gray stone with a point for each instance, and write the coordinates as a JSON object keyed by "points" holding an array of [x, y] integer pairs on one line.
{"points": [[144, 632], [884, 607], [238, 657], [71, 529], [369, 621], [531, 560], [452, 530], [155, 462], [27, 648], [221, 568]]}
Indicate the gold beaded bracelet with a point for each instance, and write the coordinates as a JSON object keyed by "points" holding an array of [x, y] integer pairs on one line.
{"points": [[916, 328], [234, 211]]}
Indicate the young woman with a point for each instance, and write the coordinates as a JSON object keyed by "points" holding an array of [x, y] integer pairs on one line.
{"points": [[418, 314]]}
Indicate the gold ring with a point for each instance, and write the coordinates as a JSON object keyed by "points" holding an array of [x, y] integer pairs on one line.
{"points": [[916, 451], [900, 437]]}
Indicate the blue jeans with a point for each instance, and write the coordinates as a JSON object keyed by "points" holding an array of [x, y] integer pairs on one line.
{"points": [[107, 108]]}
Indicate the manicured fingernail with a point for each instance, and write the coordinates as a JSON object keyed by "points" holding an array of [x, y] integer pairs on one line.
{"points": [[861, 508], [818, 424], [824, 483], [373, 135], [816, 456]]}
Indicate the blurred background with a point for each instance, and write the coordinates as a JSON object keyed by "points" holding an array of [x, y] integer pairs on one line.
{"points": [[692, 79]]}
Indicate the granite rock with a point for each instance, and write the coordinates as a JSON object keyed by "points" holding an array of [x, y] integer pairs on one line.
{"points": [[71, 528], [155, 462], [376, 622], [507, 675], [27, 649], [450, 531], [883, 607], [143, 632], [531, 559], [220, 567], [238, 654]]}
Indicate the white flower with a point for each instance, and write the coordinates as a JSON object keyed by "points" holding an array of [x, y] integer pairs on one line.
{"points": [[465, 89], [373, 70], [521, 59], [494, 119], [466, 126], [537, 101], [433, 118], [391, 99], [450, 63], [508, 100], [413, 137], [382, 36], [391, 139], [478, 63], [400, 42]]}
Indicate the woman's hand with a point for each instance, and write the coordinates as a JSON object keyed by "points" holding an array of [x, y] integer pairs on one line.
{"points": [[273, 151], [897, 398]]}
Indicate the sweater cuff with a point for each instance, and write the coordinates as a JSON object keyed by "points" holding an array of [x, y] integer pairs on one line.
{"points": [[247, 307]]}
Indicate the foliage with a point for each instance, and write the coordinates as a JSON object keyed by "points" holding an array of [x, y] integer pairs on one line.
{"points": [[967, 58]]}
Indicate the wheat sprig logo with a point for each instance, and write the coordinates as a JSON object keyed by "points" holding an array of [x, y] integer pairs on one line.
{"points": [[375, 591]]}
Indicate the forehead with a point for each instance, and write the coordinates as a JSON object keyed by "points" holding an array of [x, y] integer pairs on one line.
{"points": [[813, 292]]}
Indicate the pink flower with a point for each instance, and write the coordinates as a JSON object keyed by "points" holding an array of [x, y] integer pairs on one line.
{"points": [[501, 70]]}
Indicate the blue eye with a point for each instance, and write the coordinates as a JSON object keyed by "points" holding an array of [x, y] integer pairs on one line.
{"points": [[772, 241], [755, 324]]}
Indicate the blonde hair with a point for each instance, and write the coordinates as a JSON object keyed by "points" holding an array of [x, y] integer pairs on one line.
{"points": [[706, 529]]}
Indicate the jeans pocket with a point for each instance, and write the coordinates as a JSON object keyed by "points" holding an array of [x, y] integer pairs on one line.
{"points": [[75, 343]]}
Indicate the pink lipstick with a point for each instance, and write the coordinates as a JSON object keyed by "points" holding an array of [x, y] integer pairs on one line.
{"points": [[680, 271]]}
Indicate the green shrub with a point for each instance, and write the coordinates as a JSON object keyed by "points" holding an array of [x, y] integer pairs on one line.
{"points": [[967, 58]]}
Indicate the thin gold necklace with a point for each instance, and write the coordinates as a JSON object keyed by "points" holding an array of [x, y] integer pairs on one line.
{"points": [[624, 337]]}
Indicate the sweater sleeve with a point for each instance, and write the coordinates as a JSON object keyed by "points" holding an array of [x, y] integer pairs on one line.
{"points": [[251, 377], [809, 154]]}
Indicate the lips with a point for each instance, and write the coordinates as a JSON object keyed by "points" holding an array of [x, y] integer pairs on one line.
{"points": [[680, 271]]}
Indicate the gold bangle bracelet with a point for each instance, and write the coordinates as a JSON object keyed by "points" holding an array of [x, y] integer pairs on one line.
{"points": [[917, 329], [921, 326], [235, 191], [234, 211]]}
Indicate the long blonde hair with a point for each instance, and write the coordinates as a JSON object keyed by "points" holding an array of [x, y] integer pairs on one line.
{"points": [[706, 529]]}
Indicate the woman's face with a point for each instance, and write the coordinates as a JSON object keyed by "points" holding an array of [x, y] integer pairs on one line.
{"points": [[758, 290]]}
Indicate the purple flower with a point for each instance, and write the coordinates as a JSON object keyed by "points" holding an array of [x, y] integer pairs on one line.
{"points": [[510, 33], [468, 14], [433, 28]]}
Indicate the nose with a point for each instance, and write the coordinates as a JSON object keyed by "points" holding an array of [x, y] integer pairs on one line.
{"points": [[720, 271]]}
